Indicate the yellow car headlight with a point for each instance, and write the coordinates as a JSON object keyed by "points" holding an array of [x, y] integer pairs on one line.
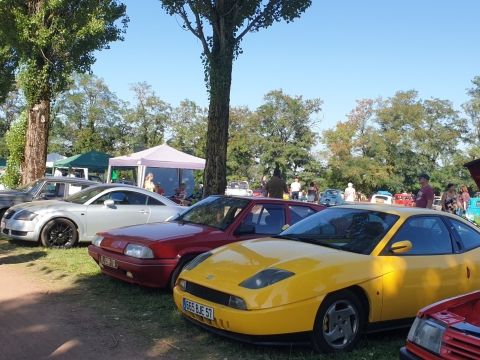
{"points": [[265, 278]]}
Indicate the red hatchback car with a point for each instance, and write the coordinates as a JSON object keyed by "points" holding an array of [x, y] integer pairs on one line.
{"points": [[449, 329], [154, 254]]}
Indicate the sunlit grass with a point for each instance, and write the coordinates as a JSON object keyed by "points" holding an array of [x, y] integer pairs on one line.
{"points": [[151, 316]]}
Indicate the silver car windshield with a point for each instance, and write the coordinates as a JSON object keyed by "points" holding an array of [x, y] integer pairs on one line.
{"points": [[32, 188], [214, 211]]}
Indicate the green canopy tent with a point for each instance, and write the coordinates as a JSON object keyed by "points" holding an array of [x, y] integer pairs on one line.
{"points": [[93, 160]]}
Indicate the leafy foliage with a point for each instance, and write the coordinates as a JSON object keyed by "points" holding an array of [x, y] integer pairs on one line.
{"points": [[149, 119], [88, 116], [15, 140]]}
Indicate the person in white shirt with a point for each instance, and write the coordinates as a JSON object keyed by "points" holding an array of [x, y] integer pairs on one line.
{"points": [[349, 193], [295, 188]]}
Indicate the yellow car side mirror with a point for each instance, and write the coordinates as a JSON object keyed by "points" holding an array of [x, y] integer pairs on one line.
{"points": [[401, 247]]}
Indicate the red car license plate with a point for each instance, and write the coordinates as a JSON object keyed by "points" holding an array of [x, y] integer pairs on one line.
{"points": [[104, 260]]}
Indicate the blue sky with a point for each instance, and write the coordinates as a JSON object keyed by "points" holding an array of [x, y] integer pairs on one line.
{"points": [[338, 51]]}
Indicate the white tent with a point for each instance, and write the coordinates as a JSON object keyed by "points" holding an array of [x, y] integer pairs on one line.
{"points": [[161, 156]]}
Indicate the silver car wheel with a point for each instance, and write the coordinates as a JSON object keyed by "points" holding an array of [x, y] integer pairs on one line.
{"points": [[340, 324]]}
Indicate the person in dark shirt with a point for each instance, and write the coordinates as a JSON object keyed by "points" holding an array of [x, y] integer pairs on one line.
{"points": [[425, 195], [276, 186]]}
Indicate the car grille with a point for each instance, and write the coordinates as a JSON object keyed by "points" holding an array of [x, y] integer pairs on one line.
{"points": [[9, 214], [206, 293], [457, 345]]}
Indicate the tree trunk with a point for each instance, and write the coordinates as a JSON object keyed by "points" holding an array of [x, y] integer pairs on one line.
{"points": [[220, 77], [36, 142]]}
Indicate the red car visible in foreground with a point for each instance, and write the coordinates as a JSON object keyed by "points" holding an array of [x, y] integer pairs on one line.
{"points": [[449, 329], [154, 254]]}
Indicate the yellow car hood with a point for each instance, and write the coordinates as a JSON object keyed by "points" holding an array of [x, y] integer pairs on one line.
{"points": [[318, 270]]}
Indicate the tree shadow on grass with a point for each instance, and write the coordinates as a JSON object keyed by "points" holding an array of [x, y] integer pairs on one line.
{"points": [[21, 258]]}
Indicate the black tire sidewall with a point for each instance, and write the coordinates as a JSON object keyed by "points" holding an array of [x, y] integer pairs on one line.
{"points": [[318, 341], [178, 269], [50, 224]]}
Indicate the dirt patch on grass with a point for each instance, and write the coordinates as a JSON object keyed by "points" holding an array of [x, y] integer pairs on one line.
{"points": [[41, 320]]}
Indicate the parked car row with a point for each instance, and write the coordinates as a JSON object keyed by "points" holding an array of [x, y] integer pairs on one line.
{"points": [[267, 270]]}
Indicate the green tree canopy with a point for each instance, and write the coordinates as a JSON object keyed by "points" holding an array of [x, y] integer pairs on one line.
{"points": [[52, 39]]}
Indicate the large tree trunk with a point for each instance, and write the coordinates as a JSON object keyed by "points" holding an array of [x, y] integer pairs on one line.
{"points": [[36, 142], [220, 76]]}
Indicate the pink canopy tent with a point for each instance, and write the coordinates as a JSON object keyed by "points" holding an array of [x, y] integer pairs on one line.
{"points": [[161, 156]]}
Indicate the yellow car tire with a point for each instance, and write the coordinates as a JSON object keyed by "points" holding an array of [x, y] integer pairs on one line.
{"points": [[339, 323]]}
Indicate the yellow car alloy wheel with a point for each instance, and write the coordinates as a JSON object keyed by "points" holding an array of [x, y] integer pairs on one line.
{"points": [[339, 323]]}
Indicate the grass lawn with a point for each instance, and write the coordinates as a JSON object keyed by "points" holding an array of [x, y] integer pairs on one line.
{"points": [[152, 316]]}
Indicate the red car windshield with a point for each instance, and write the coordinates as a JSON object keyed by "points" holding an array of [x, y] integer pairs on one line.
{"points": [[214, 211]]}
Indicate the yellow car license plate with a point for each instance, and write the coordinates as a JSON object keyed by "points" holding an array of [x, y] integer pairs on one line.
{"points": [[104, 260], [198, 309]]}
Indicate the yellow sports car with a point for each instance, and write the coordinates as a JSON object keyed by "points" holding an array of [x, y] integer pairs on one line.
{"points": [[333, 276]]}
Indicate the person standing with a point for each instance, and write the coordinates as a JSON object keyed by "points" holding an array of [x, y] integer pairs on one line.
{"points": [[350, 193], [149, 184], [463, 200], [425, 195], [449, 199], [295, 188], [312, 192], [276, 186]]}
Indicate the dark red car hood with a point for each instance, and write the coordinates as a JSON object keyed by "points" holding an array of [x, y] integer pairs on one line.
{"points": [[155, 232]]}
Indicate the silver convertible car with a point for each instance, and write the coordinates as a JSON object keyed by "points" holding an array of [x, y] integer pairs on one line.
{"points": [[80, 216]]}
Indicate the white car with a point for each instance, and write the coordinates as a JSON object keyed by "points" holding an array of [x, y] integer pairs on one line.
{"points": [[381, 199], [80, 216], [238, 188]]}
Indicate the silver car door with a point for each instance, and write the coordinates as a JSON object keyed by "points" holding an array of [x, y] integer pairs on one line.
{"points": [[129, 208], [159, 211]]}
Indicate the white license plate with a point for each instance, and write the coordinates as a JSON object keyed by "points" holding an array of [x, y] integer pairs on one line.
{"points": [[198, 309], [104, 260]]}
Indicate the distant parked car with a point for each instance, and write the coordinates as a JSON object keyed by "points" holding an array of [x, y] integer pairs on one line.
{"points": [[381, 199], [48, 188], [238, 188], [331, 197], [80, 216], [437, 204], [404, 199], [258, 192], [449, 329], [154, 254]]}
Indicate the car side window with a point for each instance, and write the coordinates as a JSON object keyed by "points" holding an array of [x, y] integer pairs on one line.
{"points": [[123, 198], [298, 213], [428, 235], [469, 236], [153, 201], [268, 219]]}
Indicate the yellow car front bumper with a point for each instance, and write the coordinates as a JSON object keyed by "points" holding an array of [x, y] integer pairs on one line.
{"points": [[286, 319]]}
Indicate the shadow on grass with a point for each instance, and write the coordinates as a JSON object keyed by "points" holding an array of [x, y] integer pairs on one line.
{"points": [[152, 314], [21, 258]]}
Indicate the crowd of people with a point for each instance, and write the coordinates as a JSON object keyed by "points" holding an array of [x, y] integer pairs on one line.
{"points": [[452, 201]]}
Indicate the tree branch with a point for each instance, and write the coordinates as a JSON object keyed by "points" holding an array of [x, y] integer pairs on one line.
{"points": [[198, 32], [269, 7]]}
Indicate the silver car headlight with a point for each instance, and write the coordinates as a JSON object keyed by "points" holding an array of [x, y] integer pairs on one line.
{"points": [[97, 240], [265, 278], [427, 334], [138, 251], [25, 215]]}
